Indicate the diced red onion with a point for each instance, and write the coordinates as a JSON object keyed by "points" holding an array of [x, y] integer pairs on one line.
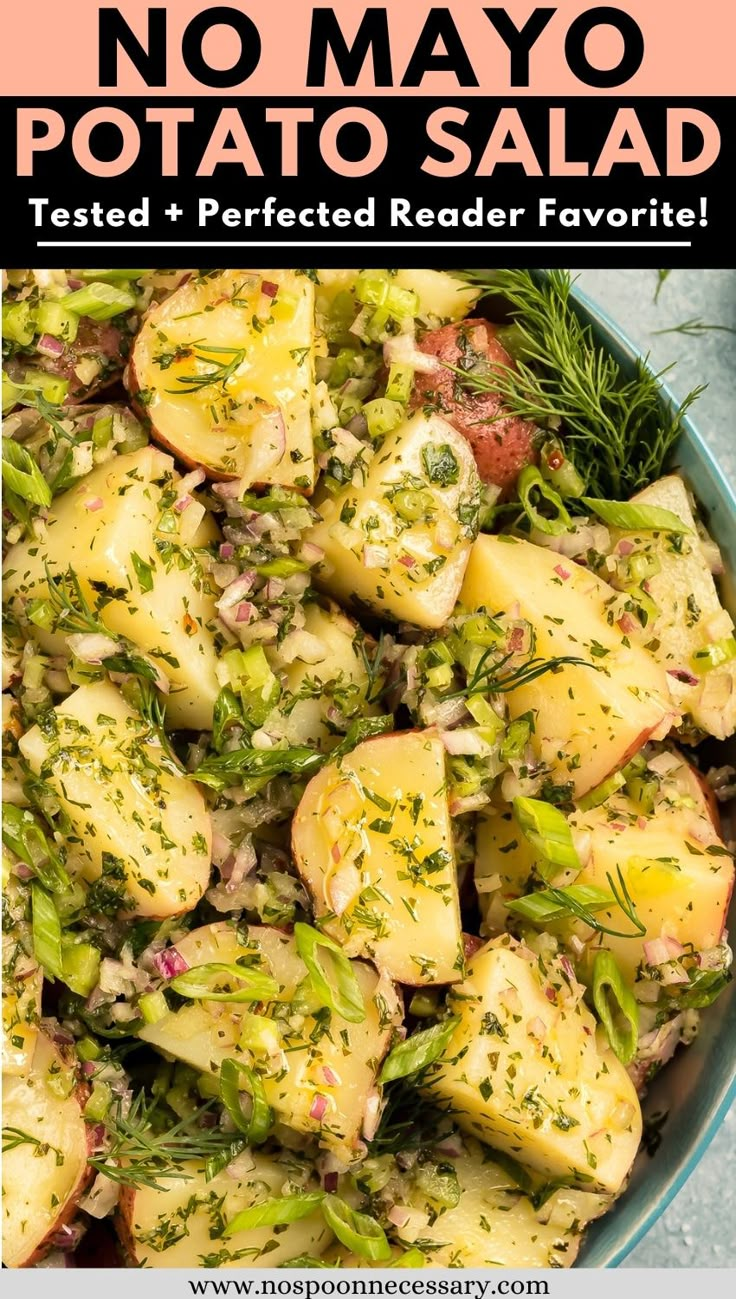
{"points": [[445, 714], [229, 491], [182, 503], [240, 1167], [682, 674], [628, 624], [22, 871], [47, 345], [237, 590], [562, 572], [343, 885], [625, 547], [330, 1076], [244, 861], [169, 963], [408, 561], [663, 763], [311, 553], [330, 1182], [93, 503], [227, 550], [246, 612], [468, 803], [318, 1108], [537, 1028], [399, 1215], [269, 288], [471, 944], [68, 1236]]}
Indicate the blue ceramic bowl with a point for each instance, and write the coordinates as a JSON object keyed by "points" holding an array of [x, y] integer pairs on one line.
{"points": [[697, 1087]]}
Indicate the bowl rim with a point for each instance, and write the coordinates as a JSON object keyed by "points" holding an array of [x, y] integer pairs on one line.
{"points": [[726, 1092]]}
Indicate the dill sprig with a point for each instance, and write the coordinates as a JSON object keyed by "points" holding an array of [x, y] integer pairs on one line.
{"points": [[217, 375], [619, 895], [694, 327], [14, 1137], [662, 277], [616, 430], [140, 1156], [489, 678]]}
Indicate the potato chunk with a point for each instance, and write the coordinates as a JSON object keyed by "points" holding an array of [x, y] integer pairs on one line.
{"points": [[372, 841], [526, 1071], [223, 370], [337, 679], [136, 819], [675, 866], [22, 987], [45, 1173], [182, 1225], [398, 543], [589, 720], [113, 528], [324, 1057], [691, 616]]}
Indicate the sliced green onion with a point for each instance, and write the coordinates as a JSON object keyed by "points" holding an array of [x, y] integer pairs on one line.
{"points": [[548, 832], [418, 1051], [412, 1258], [549, 905], [424, 1003], [616, 1007], [412, 503], [102, 431], [46, 928], [153, 1006], [260, 1034], [88, 1049], [275, 1212], [98, 1103], [236, 1077], [401, 302], [635, 518], [333, 981], [80, 967], [111, 275], [372, 291], [400, 381], [197, 983], [99, 301], [382, 416], [356, 1231], [250, 675], [24, 836], [22, 475], [596, 796], [516, 739], [714, 655], [560, 472], [531, 481], [286, 566], [53, 319]]}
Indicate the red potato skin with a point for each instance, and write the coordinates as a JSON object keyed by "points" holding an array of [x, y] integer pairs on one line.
{"points": [[99, 339], [502, 447]]}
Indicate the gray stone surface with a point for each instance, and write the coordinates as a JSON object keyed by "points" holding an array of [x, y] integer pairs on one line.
{"points": [[696, 1230]]}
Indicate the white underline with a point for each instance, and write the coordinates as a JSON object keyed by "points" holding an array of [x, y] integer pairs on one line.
{"points": [[364, 243]]}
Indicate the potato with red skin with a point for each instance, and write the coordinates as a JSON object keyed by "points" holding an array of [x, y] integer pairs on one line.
{"points": [[99, 341], [502, 444]]}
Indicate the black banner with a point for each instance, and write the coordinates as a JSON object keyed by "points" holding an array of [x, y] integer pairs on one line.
{"points": [[63, 215]]}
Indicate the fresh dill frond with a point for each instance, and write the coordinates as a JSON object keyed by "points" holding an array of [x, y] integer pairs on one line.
{"points": [[218, 374], [616, 431], [694, 327], [662, 277], [489, 678], [140, 1156]]}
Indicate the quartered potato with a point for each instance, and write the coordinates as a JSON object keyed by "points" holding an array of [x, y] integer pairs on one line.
{"points": [[118, 531], [223, 370], [136, 819], [338, 679], [676, 869], [692, 635], [181, 1225], [372, 841], [590, 719], [494, 1222], [398, 542], [526, 1072], [44, 1153], [324, 1069]]}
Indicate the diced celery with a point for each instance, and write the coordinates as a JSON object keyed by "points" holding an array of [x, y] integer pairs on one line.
{"points": [[440, 677], [98, 1103], [259, 1034], [481, 630], [88, 1049], [153, 1006], [714, 655], [423, 1004], [400, 381], [343, 366], [208, 1086], [482, 712], [18, 326], [413, 503], [382, 416], [80, 967], [372, 291], [102, 431], [51, 387], [250, 674], [516, 739], [56, 320], [596, 796], [401, 302], [513, 341]]}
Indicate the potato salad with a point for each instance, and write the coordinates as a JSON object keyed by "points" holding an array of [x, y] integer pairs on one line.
{"points": [[364, 673]]}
